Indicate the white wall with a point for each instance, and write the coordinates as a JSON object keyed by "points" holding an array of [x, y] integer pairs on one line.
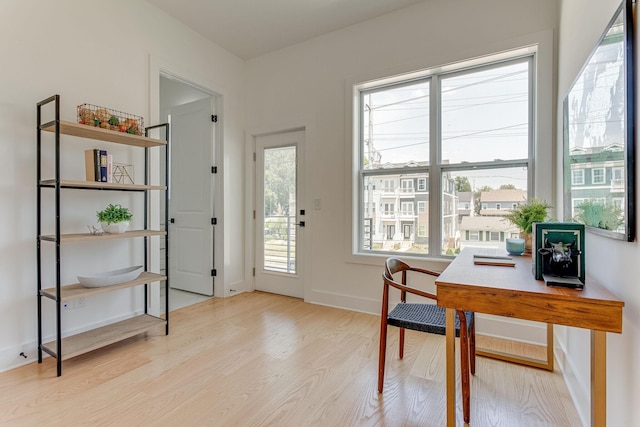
{"points": [[309, 85], [100, 53], [89, 52], [613, 263]]}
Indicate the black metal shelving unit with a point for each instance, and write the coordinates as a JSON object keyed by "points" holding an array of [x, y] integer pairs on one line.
{"points": [[68, 347]]}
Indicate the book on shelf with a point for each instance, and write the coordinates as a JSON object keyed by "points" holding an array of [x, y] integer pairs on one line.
{"points": [[90, 165], [96, 163], [109, 168], [103, 166]]}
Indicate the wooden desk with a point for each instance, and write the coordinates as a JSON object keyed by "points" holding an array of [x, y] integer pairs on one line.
{"points": [[513, 292]]}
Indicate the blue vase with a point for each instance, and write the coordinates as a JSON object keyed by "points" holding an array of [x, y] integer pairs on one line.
{"points": [[515, 246]]}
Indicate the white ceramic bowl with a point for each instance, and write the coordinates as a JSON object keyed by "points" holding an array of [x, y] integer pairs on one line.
{"points": [[111, 277], [116, 227]]}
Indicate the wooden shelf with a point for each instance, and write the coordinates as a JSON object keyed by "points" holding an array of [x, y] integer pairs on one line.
{"points": [[65, 348], [69, 292], [105, 236], [94, 339], [95, 185], [92, 132]]}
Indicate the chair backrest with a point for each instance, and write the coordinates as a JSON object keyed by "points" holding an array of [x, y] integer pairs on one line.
{"points": [[394, 265]]}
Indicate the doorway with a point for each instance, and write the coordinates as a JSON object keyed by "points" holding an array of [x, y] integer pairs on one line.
{"points": [[280, 216], [190, 111]]}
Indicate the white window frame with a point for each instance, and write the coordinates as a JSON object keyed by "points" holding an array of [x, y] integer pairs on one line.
{"points": [[422, 184], [593, 176], [406, 186], [540, 49], [617, 173], [406, 208], [474, 236], [574, 177], [422, 206]]}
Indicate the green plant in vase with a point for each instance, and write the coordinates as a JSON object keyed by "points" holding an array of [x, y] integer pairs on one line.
{"points": [[524, 215], [114, 218]]}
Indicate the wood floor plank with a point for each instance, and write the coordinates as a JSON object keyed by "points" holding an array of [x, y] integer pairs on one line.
{"points": [[259, 359]]}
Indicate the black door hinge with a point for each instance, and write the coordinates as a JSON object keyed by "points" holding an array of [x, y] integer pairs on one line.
{"points": [[214, 118], [214, 169], [214, 221], [214, 272]]}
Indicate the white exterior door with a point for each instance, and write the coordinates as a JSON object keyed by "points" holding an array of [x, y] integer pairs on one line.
{"points": [[280, 218], [191, 205]]}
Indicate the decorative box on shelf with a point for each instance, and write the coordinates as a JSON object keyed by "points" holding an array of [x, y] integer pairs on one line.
{"points": [[108, 118]]}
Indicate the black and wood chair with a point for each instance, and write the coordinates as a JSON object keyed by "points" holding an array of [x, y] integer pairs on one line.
{"points": [[424, 317]]}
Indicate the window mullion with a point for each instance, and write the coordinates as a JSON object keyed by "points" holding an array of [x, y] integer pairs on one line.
{"points": [[435, 187]]}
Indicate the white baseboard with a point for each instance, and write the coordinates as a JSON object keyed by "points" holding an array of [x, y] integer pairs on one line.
{"points": [[10, 357], [512, 329], [345, 302], [580, 394], [494, 326]]}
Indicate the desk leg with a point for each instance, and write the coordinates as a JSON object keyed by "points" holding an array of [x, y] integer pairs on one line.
{"points": [[451, 367], [598, 378]]}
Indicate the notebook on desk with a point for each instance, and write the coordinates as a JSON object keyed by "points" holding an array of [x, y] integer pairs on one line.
{"points": [[504, 261]]}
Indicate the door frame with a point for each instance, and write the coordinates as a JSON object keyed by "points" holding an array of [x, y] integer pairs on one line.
{"points": [[161, 67], [301, 245], [208, 104], [251, 195]]}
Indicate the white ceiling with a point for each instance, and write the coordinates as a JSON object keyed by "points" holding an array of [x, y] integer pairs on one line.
{"points": [[250, 28]]}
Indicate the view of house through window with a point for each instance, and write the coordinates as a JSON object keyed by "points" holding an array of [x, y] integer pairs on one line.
{"points": [[280, 209], [444, 158]]}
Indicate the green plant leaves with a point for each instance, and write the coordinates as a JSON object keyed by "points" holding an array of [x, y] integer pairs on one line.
{"points": [[113, 214]]}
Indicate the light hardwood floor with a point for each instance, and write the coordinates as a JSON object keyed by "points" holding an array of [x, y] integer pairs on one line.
{"points": [[265, 360]]}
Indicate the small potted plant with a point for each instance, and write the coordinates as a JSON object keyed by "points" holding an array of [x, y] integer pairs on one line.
{"points": [[523, 216], [114, 218]]}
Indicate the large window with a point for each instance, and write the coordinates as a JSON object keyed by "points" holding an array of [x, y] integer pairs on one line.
{"points": [[453, 136]]}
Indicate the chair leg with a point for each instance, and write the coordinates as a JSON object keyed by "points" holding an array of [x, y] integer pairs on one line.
{"points": [[464, 367], [472, 346], [382, 352], [401, 352]]}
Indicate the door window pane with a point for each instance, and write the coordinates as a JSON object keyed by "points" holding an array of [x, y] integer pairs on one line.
{"points": [[280, 209]]}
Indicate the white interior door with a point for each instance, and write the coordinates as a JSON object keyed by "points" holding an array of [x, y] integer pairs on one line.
{"points": [[280, 218], [191, 205]]}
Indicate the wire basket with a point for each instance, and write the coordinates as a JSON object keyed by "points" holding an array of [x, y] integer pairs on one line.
{"points": [[108, 118]]}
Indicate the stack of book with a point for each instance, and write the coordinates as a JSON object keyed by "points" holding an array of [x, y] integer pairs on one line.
{"points": [[98, 165]]}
